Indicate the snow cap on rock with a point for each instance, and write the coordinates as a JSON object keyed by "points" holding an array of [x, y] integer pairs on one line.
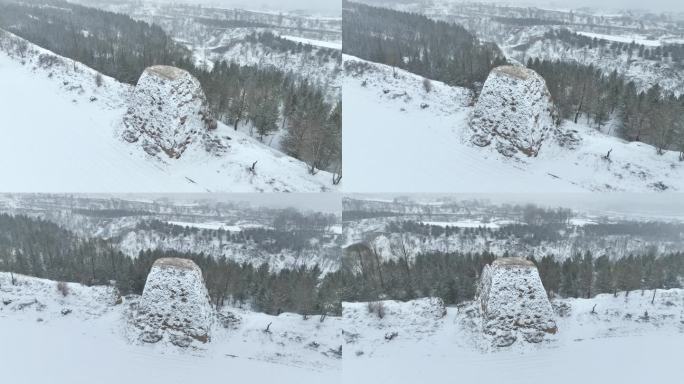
{"points": [[513, 302], [514, 112], [174, 304], [167, 111]]}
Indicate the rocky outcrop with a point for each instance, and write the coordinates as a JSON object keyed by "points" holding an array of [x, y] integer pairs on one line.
{"points": [[513, 303], [167, 112], [514, 113], [175, 304]]}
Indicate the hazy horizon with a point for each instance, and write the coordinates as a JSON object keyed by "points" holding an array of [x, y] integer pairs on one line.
{"points": [[317, 202], [662, 206], [330, 7], [655, 6]]}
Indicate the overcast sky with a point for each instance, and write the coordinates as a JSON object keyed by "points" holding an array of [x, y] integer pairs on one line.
{"points": [[317, 202], [331, 7], [650, 5], [655, 205]]}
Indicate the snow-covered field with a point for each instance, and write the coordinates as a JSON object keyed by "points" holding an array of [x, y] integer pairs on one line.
{"points": [[637, 39], [617, 344], [417, 141], [59, 135], [88, 344], [317, 43]]}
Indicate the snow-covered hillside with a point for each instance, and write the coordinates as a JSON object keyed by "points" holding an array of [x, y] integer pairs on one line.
{"points": [[570, 241], [37, 322], [322, 252], [520, 30], [417, 141], [313, 64], [212, 229], [59, 135], [622, 339], [531, 43]]}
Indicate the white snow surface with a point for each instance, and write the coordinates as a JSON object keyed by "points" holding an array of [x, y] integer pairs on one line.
{"points": [[410, 148], [175, 305], [514, 112], [60, 135], [617, 343], [637, 39], [90, 343], [317, 43]]}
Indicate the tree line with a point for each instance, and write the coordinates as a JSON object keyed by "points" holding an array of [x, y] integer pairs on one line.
{"points": [[673, 53], [42, 249], [454, 276], [579, 91], [434, 49], [120, 47], [537, 233], [449, 53]]}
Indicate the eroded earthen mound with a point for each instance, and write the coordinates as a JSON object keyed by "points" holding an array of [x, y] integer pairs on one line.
{"points": [[513, 303], [167, 112], [175, 304], [514, 113]]}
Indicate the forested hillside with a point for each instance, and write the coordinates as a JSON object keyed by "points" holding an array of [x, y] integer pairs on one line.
{"points": [[580, 91], [121, 47], [405, 249], [454, 276], [40, 248], [433, 49], [585, 88]]}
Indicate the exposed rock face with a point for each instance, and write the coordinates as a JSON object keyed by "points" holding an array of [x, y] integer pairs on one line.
{"points": [[514, 112], [167, 112], [175, 304], [513, 303]]}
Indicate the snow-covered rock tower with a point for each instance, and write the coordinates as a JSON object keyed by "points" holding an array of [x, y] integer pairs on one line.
{"points": [[513, 302], [514, 113], [175, 304], [167, 111]]}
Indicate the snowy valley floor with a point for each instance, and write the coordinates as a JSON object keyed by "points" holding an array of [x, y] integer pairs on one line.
{"points": [[40, 344], [415, 141], [614, 345]]}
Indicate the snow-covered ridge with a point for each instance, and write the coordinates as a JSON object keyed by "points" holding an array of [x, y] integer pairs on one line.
{"points": [[37, 321], [72, 144], [389, 114], [603, 332], [571, 242]]}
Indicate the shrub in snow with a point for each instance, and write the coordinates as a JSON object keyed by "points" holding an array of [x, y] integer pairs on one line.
{"points": [[167, 112], [174, 305], [513, 303], [377, 308], [514, 112], [63, 288]]}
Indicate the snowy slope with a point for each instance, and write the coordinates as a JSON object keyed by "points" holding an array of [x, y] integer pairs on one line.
{"points": [[415, 141], [59, 135], [617, 344], [90, 343]]}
